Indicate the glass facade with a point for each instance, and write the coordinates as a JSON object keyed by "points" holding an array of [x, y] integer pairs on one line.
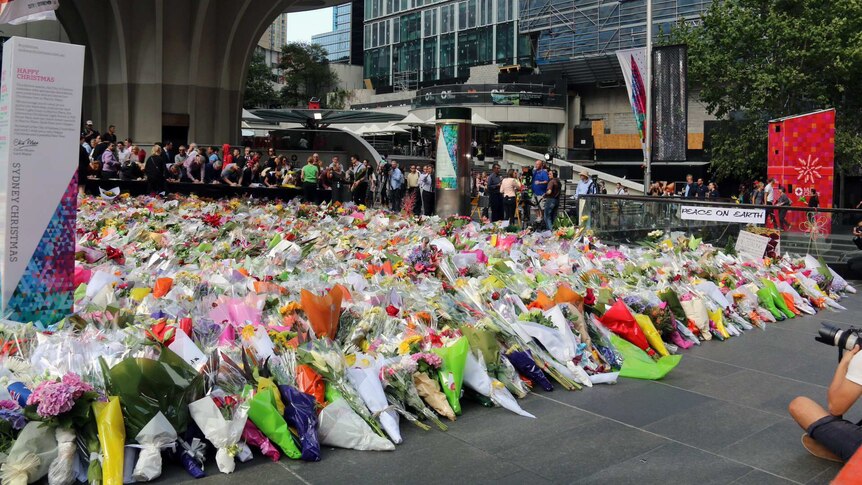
{"points": [[337, 42], [439, 40], [581, 37]]}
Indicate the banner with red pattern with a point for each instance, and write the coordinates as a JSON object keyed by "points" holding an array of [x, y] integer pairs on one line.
{"points": [[802, 157]]}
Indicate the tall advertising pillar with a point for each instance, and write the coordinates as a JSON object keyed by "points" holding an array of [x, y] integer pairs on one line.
{"points": [[40, 123], [454, 163]]}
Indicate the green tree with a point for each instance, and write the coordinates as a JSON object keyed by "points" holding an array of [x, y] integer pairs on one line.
{"points": [[259, 91], [756, 60], [306, 73]]}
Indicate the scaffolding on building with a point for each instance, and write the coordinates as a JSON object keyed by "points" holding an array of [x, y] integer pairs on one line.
{"points": [[405, 81], [580, 37]]}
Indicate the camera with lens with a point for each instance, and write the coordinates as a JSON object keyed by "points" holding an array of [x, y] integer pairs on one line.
{"points": [[844, 339]]}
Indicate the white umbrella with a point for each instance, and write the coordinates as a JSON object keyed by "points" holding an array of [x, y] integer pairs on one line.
{"points": [[391, 128], [412, 120], [480, 122]]}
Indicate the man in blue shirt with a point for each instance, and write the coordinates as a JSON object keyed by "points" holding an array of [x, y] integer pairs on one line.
{"points": [[396, 186], [539, 187]]}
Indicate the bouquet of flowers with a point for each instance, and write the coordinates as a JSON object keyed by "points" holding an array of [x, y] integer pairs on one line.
{"points": [[12, 421], [65, 405], [426, 382], [397, 379], [223, 427]]}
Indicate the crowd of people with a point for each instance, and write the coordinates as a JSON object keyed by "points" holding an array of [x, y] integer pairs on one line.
{"points": [[102, 156], [529, 197]]}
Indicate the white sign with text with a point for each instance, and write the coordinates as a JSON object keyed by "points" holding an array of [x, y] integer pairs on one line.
{"points": [[722, 214], [40, 122], [751, 245]]}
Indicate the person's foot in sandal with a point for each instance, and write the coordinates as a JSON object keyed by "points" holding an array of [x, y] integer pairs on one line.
{"points": [[818, 449]]}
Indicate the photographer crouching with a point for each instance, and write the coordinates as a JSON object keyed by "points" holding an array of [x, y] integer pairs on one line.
{"points": [[828, 435]]}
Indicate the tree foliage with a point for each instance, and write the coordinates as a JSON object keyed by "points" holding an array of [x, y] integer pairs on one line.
{"points": [[306, 73], [259, 91], [756, 60]]}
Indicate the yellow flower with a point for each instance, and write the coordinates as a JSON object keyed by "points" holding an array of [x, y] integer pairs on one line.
{"points": [[350, 359], [404, 346], [247, 332], [361, 207]]}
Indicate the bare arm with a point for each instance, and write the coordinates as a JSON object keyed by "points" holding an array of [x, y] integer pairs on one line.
{"points": [[843, 392]]}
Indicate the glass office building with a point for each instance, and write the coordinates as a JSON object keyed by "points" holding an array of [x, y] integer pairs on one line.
{"points": [[337, 42], [580, 37], [431, 41]]}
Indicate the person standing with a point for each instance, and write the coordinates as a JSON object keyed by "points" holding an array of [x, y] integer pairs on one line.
{"points": [[585, 186], [413, 189], [712, 191], [509, 188], [110, 165], [495, 196], [309, 181], [783, 201], [154, 170], [110, 135], [757, 194], [813, 203], [700, 189], [689, 191], [396, 187], [769, 199], [552, 199], [360, 181], [857, 235], [540, 186], [426, 190]]}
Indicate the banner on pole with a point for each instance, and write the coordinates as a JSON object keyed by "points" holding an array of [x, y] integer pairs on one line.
{"points": [[802, 157], [633, 64], [40, 120], [670, 104]]}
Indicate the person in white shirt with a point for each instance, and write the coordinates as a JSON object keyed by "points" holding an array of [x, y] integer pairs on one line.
{"points": [[828, 435], [769, 199]]}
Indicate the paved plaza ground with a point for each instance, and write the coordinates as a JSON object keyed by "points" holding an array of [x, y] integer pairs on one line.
{"points": [[720, 417]]}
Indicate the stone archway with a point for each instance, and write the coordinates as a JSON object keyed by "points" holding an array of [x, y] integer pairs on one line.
{"points": [[183, 60]]}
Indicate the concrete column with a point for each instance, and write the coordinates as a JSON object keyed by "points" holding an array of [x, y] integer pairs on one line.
{"points": [[155, 62]]}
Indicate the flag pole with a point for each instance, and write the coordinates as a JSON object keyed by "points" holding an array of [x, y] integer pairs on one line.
{"points": [[648, 115]]}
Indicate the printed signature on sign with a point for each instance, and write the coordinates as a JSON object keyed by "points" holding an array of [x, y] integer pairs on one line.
{"points": [[24, 142]]}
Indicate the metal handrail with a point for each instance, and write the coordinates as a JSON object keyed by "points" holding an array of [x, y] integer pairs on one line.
{"points": [[713, 203]]}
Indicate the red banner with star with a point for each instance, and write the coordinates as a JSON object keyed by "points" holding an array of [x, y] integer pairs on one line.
{"points": [[802, 157]]}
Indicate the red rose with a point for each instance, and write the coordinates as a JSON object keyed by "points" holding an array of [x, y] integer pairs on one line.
{"points": [[392, 311], [590, 299], [115, 254], [495, 296]]}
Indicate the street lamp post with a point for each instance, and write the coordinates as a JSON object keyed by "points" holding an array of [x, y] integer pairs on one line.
{"points": [[648, 115]]}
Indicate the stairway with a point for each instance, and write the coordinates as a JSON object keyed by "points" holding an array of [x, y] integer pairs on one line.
{"points": [[834, 248]]}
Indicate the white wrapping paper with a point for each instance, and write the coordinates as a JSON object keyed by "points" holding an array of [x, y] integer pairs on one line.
{"points": [[366, 380], [157, 434], [477, 378], [223, 434], [341, 427]]}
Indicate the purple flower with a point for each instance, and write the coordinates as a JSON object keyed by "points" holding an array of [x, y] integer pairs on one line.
{"points": [[8, 405], [56, 400], [14, 418], [77, 385]]}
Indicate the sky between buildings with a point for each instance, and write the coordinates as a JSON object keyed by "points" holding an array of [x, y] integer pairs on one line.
{"points": [[301, 26]]}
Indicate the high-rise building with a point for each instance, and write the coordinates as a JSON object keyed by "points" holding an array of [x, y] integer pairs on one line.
{"points": [[270, 44], [425, 41], [337, 42], [272, 40], [580, 38]]}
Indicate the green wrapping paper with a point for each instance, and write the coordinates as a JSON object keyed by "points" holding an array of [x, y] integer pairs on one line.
{"points": [[638, 365], [271, 423], [669, 296], [766, 301], [451, 373], [777, 298]]}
